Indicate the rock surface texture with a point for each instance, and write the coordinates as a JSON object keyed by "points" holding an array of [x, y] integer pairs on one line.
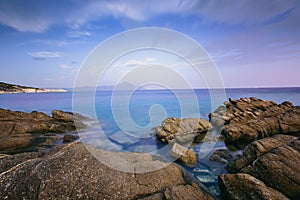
{"points": [[245, 186], [71, 172], [183, 131], [19, 130], [185, 155], [248, 119], [268, 167]]}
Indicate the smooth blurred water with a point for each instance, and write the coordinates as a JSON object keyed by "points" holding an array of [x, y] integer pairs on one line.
{"points": [[146, 108], [142, 101]]}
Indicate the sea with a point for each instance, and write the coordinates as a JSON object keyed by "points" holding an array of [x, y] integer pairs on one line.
{"points": [[124, 120]]}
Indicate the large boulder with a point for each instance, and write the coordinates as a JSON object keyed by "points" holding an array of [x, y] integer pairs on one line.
{"points": [[248, 119], [186, 192], [183, 131], [72, 172], [275, 161], [245, 186], [19, 130]]}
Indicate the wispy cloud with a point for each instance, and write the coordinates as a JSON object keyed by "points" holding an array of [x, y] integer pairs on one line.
{"points": [[43, 55], [232, 53], [135, 63], [75, 34], [53, 43], [67, 67], [38, 16], [78, 31]]}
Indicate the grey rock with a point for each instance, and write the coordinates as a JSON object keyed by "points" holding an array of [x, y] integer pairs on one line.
{"points": [[275, 161], [72, 172], [184, 131], [185, 155], [21, 130], [221, 156], [248, 119], [245, 186]]}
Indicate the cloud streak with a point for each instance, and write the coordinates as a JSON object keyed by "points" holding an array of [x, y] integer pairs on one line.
{"points": [[43, 55], [38, 16], [136, 63]]}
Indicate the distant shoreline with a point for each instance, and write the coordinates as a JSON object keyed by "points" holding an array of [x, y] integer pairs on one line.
{"points": [[36, 91], [6, 88]]}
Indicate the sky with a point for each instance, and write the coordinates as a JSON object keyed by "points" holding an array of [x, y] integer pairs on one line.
{"points": [[253, 43]]}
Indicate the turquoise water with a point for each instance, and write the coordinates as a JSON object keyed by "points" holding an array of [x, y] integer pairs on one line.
{"points": [[46, 102], [127, 119]]}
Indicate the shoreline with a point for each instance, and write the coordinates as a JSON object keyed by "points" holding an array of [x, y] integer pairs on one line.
{"points": [[7, 88], [31, 91]]}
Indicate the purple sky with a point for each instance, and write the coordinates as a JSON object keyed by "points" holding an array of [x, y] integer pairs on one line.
{"points": [[253, 43]]}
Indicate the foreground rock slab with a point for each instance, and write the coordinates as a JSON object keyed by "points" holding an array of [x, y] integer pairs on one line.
{"points": [[275, 161], [248, 119], [71, 172]]}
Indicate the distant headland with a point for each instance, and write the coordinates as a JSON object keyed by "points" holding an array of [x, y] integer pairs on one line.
{"points": [[6, 88]]}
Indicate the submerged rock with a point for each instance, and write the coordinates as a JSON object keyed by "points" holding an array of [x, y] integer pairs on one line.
{"points": [[206, 178], [71, 172], [274, 161], [221, 156], [183, 131], [248, 119]]}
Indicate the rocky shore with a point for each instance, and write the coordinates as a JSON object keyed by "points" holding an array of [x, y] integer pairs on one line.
{"points": [[71, 172], [268, 169], [248, 119], [268, 133], [33, 166], [21, 131]]}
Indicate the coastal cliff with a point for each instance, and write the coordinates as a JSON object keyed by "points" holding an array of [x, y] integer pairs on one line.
{"points": [[6, 88]]}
